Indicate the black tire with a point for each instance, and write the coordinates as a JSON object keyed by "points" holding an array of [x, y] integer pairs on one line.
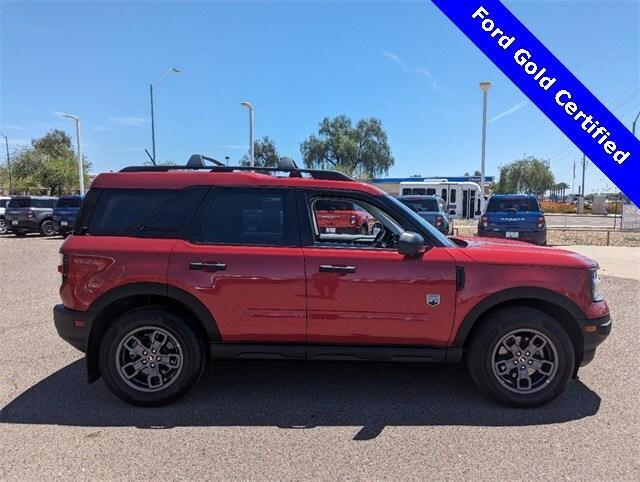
{"points": [[4, 228], [485, 348], [47, 228], [112, 349]]}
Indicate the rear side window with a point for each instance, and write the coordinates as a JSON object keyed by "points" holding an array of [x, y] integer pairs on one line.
{"points": [[43, 203], [162, 213], [242, 216], [20, 202], [522, 204]]}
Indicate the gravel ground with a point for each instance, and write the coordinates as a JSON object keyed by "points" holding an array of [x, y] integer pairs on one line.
{"points": [[300, 421]]}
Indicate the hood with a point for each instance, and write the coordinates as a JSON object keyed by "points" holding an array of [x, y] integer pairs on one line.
{"points": [[507, 252]]}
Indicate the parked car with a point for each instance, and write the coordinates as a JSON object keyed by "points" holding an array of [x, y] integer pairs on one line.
{"points": [[514, 216], [335, 216], [31, 214], [170, 270], [65, 212], [431, 208], [3, 223]]}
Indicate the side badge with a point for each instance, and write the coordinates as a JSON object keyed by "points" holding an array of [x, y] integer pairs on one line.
{"points": [[433, 300]]}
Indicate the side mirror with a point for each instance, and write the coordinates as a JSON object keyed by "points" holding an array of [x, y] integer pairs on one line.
{"points": [[411, 244]]}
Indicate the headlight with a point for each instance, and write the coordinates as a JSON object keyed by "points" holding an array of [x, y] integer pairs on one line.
{"points": [[595, 282]]}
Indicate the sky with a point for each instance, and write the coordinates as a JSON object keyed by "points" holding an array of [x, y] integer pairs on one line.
{"points": [[403, 62]]}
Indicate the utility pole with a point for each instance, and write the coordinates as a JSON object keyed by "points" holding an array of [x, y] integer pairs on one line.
{"points": [[250, 108], [573, 181], [153, 123], [79, 150], [584, 165], [633, 127], [6, 144], [484, 86]]}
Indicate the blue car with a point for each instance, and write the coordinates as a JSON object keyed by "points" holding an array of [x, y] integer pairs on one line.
{"points": [[514, 216], [430, 208], [65, 213]]}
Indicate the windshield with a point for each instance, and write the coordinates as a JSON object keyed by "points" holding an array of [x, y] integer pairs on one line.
{"points": [[421, 205], [19, 202], [68, 202], [516, 204], [424, 224]]}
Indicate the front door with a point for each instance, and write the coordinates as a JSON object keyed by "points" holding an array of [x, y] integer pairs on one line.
{"points": [[243, 261], [362, 291]]}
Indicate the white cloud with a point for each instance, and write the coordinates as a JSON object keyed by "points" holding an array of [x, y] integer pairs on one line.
{"points": [[413, 70], [129, 121], [510, 111]]}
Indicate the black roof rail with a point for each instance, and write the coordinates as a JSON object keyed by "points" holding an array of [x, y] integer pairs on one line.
{"points": [[293, 171]]}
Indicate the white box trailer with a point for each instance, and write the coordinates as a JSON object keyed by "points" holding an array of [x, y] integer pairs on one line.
{"points": [[462, 199]]}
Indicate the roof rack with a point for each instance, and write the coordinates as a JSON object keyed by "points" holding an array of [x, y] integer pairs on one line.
{"points": [[284, 165]]}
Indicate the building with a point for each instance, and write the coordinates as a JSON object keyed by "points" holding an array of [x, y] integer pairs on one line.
{"points": [[391, 185]]}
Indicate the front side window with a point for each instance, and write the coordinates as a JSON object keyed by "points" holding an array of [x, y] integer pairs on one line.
{"points": [[20, 202], [246, 216], [342, 222]]}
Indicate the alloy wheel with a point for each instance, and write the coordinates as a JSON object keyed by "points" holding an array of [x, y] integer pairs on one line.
{"points": [[525, 361]]}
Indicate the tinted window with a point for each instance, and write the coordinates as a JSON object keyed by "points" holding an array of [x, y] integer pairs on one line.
{"points": [[431, 191], [3, 203], [421, 205], [69, 202], [20, 202], [334, 205], [517, 204], [245, 217], [444, 195], [144, 212], [43, 203], [453, 196]]}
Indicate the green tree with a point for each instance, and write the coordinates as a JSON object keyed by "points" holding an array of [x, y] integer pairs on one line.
{"points": [[528, 175], [265, 154], [49, 164], [362, 151]]}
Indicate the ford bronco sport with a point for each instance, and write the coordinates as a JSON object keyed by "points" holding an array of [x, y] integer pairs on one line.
{"points": [[172, 268]]}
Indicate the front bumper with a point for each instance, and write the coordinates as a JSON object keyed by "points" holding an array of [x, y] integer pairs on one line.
{"points": [[535, 237], [594, 332], [73, 326]]}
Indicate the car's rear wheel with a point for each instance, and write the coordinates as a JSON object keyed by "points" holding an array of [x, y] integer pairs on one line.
{"points": [[521, 357], [150, 357], [3, 227], [47, 228]]}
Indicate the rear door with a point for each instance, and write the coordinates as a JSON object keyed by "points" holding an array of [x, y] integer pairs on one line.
{"points": [[513, 215], [242, 259]]}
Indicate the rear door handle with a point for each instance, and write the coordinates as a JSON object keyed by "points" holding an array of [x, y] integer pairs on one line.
{"points": [[208, 267], [341, 270]]}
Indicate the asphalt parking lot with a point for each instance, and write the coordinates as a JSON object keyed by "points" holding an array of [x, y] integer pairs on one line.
{"points": [[260, 420]]}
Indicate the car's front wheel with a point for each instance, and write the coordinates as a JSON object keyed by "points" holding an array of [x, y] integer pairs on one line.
{"points": [[3, 226], [150, 357], [521, 357], [47, 228]]}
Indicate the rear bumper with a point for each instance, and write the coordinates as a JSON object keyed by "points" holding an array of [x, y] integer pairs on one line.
{"points": [[535, 237], [594, 332], [23, 225], [73, 326]]}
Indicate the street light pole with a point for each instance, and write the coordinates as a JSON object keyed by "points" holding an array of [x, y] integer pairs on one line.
{"points": [[153, 121], [249, 106], [6, 144], [484, 86], [80, 170]]}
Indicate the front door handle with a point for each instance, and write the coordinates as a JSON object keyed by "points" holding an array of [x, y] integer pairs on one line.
{"points": [[208, 267], [341, 270]]}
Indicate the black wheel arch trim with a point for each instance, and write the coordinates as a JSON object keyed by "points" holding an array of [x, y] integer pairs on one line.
{"points": [[514, 294]]}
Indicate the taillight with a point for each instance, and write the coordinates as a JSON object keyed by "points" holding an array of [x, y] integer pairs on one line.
{"points": [[484, 220], [30, 214], [541, 222], [439, 219], [353, 219], [63, 267]]}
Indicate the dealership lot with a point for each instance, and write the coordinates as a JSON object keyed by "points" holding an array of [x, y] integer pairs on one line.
{"points": [[296, 420]]}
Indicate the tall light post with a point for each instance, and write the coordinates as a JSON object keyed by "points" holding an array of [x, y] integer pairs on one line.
{"points": [[249, 106], [80, 170], [6, 144], [484, 86], [153, 125]]}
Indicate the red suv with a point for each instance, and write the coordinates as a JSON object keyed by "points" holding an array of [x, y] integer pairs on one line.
{"points": [[172, 268]]}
